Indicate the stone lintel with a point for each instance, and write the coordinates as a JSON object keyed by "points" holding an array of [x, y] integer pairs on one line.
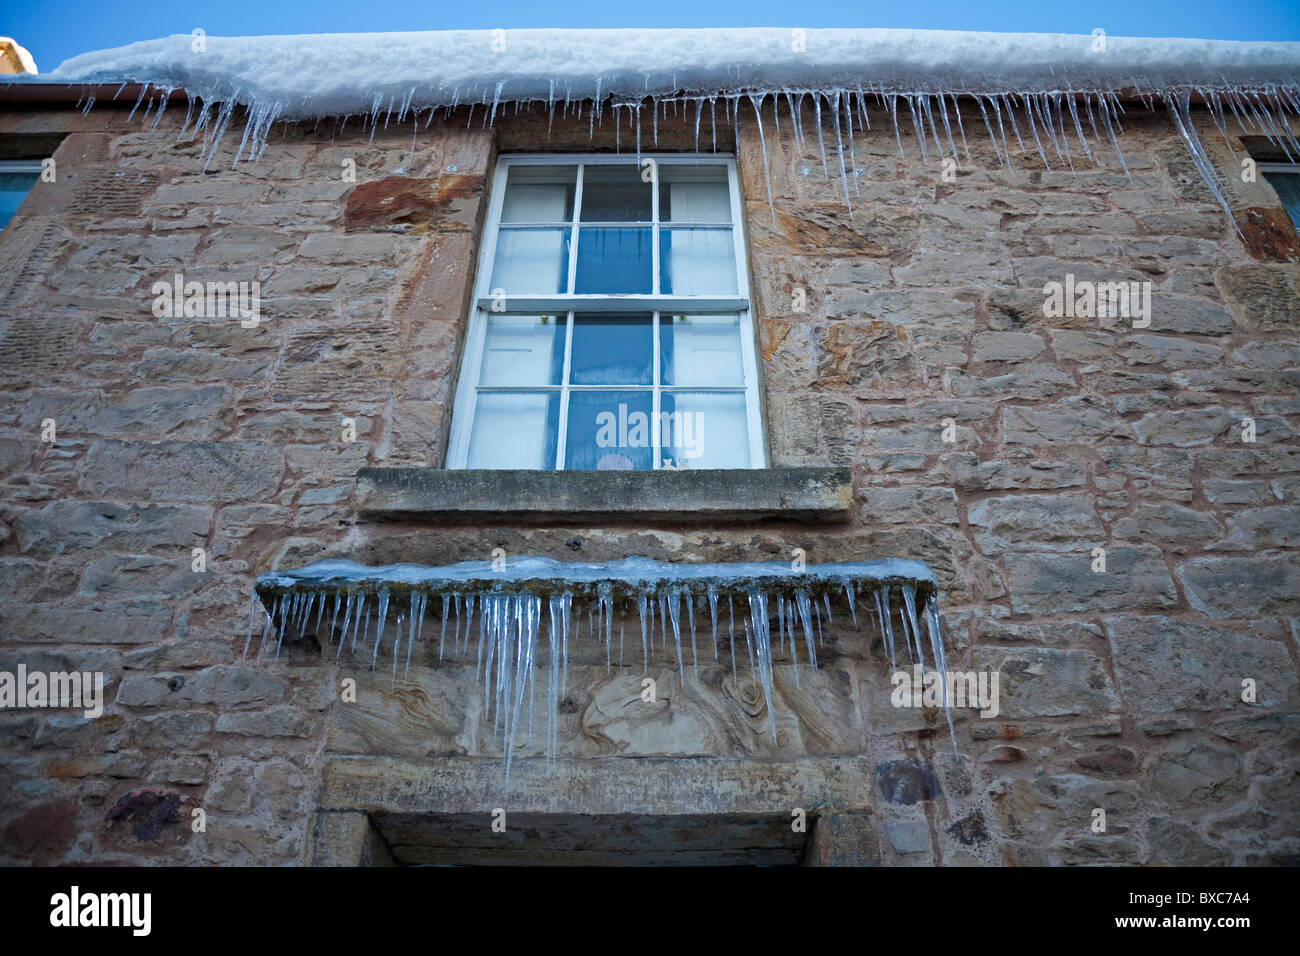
{"points": [[615, 786]]}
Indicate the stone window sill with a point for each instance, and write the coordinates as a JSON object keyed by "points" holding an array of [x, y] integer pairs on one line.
{"points": [[803, 494]]}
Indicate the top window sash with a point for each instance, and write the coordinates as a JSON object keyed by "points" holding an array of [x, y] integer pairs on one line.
{"points": [[604, 302]]}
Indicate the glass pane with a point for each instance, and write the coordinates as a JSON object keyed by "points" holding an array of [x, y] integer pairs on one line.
{"points": [[693, 194], [515, 430], [539, 194], [612, 349], [700, 350], [531, 261], [704, 429], [614, 261], [697, 262], [1287, 186], [608, 431], [614, 194], [13, 189], [523, 350]]}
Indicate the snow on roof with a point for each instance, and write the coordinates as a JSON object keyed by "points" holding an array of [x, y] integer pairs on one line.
{"points": [[331, 74], [1059, 77]]}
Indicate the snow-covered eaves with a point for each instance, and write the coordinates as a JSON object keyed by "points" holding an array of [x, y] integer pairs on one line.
{"points": [[339, 74], [1063, 86]]}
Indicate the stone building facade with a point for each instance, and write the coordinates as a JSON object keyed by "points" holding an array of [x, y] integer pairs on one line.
{"points": [[920, 311]]}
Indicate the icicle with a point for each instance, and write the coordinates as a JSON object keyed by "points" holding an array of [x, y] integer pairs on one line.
{"points": [[731, 635], [763, 647], [893, 116], [918, 127], [848, 594], [805, 618], [379, 625], [645, 653], [767, 175], [252, 616], [713, 615], [361, 605], [674, 610], [839, 143], [821, 145], [940, 661], [1180, 109], [343, 634], [979, 100], [690, 619], [886, 625], [909, 605], [338, 600]]}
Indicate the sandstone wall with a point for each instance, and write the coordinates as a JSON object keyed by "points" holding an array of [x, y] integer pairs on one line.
{"points": [[1121, 690]]}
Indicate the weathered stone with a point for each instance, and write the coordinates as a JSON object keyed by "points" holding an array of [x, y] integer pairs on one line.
{"points": [[1196, 774], [1165, 664], [1185, 429], [1173, 526], [906, 782], [190, 413], [185, 729], [1265, 298], [1041, 682], [1109, 760], [133, 622], [276, 722], [1043, 522], [1241, 587], [908, 836], [142, 576], [909, 505], [148, 818], [1073, 420], [182, 471], [970, 473], [232, 687], [1047, 583], [64, 526]]}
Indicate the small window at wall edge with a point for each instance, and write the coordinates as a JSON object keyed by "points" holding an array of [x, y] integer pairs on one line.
{"points": [[611, 324], [1285, 180], [17, 177]]}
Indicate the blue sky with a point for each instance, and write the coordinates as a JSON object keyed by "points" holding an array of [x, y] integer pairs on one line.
{"points": [[54, 30]]}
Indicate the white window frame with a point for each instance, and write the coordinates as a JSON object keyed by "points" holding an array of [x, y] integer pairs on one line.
{"points": [[566, 304], [21, 166]]}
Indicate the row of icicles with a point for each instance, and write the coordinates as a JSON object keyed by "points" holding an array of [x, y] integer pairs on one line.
{"points": [[510, 628], [1046, 116]]}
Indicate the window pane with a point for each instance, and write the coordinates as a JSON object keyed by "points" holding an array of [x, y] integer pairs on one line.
{"points": [[515, 430], [614, 194], [704, 429], [539, 194], [612, 349], [608, 431], [523, 350], [13, 189], [697, 262], [614, 262], [694, 194], [1287, 186], [531, 261], [700, 350]]}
